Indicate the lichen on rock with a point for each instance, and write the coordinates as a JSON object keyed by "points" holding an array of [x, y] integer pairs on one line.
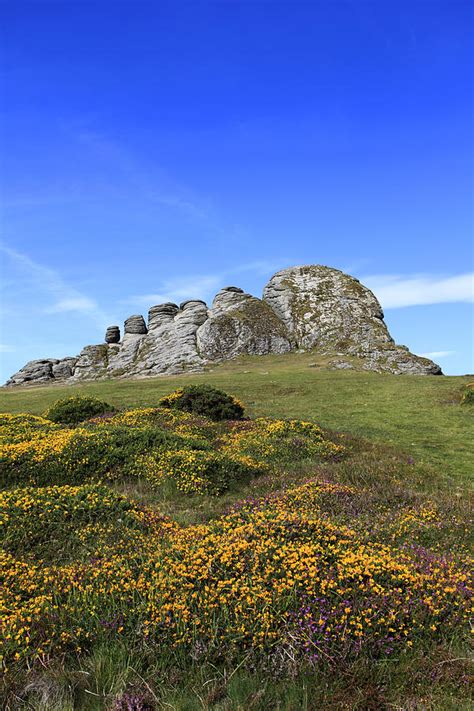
{"points": [[239, 324], [307, 308], [330, 311]]}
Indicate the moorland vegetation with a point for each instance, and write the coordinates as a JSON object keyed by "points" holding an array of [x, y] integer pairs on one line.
{"points": [[166, 556]]}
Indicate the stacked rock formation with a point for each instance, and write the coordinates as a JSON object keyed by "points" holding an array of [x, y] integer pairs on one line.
{"points": [[163, 313], [135, 325], [306, 308], [112, 334]]}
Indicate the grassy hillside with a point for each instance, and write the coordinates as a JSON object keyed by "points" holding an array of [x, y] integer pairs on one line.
{"points": [[419, 414], [155, 559]]}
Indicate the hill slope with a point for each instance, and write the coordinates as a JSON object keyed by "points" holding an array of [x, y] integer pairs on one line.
{"points": [[421, 415]]}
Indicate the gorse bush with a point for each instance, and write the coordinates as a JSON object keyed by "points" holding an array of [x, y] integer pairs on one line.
{"points": [[285, 577], [274, 579], [73, 410], [279, 441], [41, 453], [196, 471], [35, 518], [196, 453], [205, 400], [468, 395]]}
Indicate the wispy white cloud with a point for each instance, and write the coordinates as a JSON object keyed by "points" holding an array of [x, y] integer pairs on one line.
{"points": [[5, 348], [117, 173], [65, 298], [192, 287], [82, 304], [437, 354], [260, 267], [202, 286], [398, 291]]}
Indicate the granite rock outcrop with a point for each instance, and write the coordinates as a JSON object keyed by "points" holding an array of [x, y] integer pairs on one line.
{"points": [[303, 308], [332, 312]]}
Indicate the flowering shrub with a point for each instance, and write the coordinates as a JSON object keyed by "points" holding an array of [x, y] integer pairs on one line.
{"points": [[205, 400], [56, 456], [157, 444], [468, 395], [275, 579], [195, 471], [73, 410], [19, 428], [186, 425], [72, 456], [279, 440], [318, 577], [31, 517]]}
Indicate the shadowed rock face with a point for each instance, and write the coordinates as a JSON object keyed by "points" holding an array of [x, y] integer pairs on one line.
{"points": [[112, 334], [307, 307], [135, 325], [239, 323]]}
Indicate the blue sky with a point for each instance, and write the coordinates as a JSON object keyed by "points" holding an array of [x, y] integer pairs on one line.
{"points": [[157, 151]]}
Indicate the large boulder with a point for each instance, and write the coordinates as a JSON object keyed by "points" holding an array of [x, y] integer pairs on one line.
{"points": [[35, 371], [135, 325], [239, 324], [160, 314], [325, 308], [330, 311]]}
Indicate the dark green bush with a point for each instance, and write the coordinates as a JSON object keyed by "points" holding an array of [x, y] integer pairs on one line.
{"points": [[73, 410], [205, 400]]}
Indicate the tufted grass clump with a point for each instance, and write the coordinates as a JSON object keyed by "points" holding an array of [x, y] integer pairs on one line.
{"points": [[205, 400], [73, 410]]}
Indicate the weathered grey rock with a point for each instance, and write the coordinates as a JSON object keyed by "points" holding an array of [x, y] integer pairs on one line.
{"points": [[185, 304], [112, 334], [305, 308], [238, 324], [163, 313], [91, 362], [64, 368], [35, 371], [326, 309], [170, 346], [135, 324]]}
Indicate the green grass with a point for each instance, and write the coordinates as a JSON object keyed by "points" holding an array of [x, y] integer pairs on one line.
{"points": [[419, 414]]}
